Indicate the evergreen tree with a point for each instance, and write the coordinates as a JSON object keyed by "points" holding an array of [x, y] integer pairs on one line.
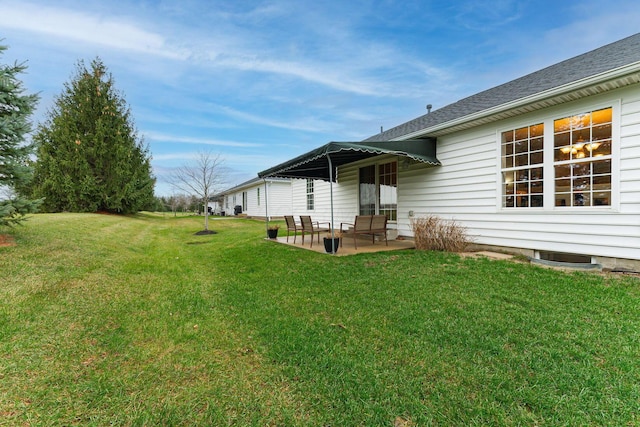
{"points": [[15, 173], [90, 158]]}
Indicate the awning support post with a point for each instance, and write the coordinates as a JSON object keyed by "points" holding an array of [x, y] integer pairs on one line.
{"points": [[266, 206], [333, 248]]}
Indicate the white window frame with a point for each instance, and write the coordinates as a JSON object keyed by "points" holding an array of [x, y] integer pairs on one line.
{"points": [[377, 184], [549, 165], [514, 169], [379, 174], [310, 198]]}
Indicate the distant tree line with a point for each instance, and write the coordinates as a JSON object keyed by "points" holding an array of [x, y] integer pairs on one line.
{"points": [[179, 203]]}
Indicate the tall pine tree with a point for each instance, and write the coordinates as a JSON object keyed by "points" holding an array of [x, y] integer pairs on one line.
{"points": [[15, 173], [90, 157]]}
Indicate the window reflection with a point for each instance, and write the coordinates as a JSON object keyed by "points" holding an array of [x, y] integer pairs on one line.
{"points": [[522, 159], [378, 190], [582, 150], [367, 191]]}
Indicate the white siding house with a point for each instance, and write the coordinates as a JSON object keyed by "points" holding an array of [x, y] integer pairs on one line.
{"points": [[259, 198], [547, 163]]}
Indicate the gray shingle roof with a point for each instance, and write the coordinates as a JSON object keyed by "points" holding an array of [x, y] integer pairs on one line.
{"points": [[603, 59]]}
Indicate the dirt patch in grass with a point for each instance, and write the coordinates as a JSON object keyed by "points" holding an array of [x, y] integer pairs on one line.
{"points": [[6, 240], [486, 254]]}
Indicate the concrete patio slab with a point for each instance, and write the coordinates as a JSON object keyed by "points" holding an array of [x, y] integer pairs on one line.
{"points": [[364, 245]]}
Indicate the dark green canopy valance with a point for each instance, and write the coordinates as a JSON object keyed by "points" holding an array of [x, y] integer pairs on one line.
{"points": [[314, 164]]}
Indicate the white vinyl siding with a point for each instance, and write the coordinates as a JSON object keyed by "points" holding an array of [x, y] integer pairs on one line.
{"points": [[629, 156], [467, 188], [321, 199], [279, 198], [278, 195]]}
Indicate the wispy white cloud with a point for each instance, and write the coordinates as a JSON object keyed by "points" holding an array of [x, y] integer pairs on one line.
{"points": [[587, 30], [113, 32], [483, 16], [181, 139], [301, 124], [167, 162], [310, 72], [339, 62]]}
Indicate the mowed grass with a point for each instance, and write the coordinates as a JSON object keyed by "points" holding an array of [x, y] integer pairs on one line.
{"points": [[131, 321]]}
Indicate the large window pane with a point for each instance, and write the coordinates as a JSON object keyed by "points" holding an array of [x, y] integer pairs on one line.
{"points": [[367, 190], [601, 132], [562, 139], [536, 157], [522, 147], [599, 149], [536, 130], [378, 190], [388, 191], [561, 125], [602, 167], [601, 116], [537, 144]]}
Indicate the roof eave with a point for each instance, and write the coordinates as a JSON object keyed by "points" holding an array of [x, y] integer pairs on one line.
{"points": [[252, 183], [496, 113]]}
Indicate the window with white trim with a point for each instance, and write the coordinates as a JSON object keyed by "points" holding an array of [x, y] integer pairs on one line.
{"points": [[582, 159], [522, 167], [578, 172], [367, 190], [378, 190], [388, 190], [310, 195]]}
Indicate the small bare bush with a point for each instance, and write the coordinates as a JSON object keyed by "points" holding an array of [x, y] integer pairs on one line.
{"points": [[436, 234]]}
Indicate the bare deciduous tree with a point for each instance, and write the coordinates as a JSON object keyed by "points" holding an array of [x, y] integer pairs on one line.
{"points": [[178, 202], [202, 178]]}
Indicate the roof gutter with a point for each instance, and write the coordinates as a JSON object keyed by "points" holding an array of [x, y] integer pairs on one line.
{"points": [[557, 91]]}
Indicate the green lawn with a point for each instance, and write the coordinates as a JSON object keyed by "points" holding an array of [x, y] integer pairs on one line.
{"points": [[109, 320]]}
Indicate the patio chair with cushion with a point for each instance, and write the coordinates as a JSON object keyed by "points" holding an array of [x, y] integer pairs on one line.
{"points": [[292, 226], [312, 227]]}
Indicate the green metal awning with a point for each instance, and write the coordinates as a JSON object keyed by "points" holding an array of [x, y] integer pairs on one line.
{"points": [[314, 164]]}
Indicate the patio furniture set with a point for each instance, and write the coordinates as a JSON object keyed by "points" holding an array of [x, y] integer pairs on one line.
{"points": [[372, 225]]}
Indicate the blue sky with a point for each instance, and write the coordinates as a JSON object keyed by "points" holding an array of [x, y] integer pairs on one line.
{"points": [[260, 82]]}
